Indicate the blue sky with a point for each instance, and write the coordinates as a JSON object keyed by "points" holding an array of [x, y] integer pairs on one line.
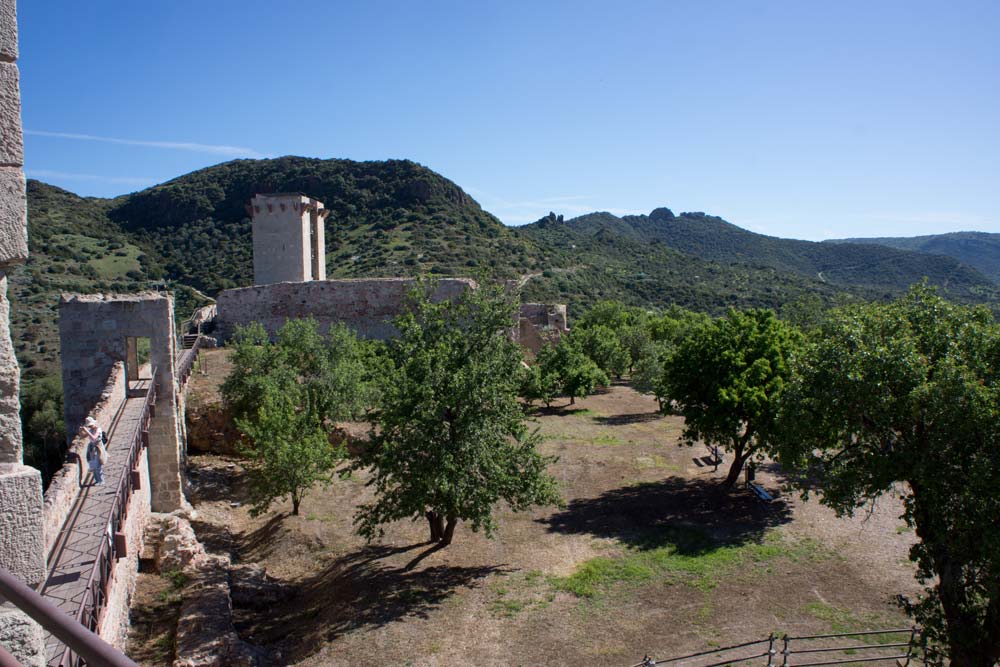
{"points": [[803, 119]]}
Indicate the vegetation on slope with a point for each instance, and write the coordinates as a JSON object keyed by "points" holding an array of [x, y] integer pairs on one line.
{"points": [[387, 218], [980, 250], [865, 268]]}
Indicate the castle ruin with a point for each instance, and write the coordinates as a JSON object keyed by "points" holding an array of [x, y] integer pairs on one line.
{"points": [[290, 282], [288, 238]]}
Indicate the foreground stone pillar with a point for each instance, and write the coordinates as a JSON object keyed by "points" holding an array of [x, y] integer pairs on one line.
{"points": [[11, 446], [22, 541], [22, 551]]}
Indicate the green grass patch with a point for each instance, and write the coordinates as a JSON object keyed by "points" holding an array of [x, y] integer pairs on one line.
{"points": [[519, 592], [848, 620], [687, 556], [655, 462], [177, 580]]}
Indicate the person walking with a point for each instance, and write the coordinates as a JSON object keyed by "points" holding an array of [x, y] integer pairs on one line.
{"points": [[96, 453]]}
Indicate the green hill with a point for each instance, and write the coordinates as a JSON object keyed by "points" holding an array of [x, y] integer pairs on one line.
{"points": [[846, 266], [397, 218], [604, 258], [980, 250], [387, 219]]}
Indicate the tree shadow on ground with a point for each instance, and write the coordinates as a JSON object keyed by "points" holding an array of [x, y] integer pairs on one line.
{"points": [[649, 515], [559, 410], [358, 590], [215, 480], [633, 418], [262, 537], [793, 481]]}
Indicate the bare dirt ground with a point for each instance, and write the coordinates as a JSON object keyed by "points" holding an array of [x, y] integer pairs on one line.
{"points": [[632, 494]]}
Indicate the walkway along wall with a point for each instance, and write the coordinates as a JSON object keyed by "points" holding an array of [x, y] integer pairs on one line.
{"points": [[65, 485], [21, 536], [124, 575], [92, 332]]}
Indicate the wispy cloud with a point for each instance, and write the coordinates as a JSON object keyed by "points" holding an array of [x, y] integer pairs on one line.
{"points": [[43, 174], [523, 211], [214, 149]]}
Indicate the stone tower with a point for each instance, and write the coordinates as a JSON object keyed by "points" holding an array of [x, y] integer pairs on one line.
{"points": [[288, 243]]}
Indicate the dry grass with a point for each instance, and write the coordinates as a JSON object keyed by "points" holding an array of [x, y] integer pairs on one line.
{"points": [[646, 555]]}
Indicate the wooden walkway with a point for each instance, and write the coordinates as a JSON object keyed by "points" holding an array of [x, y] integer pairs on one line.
{"points": [[73, 554]]}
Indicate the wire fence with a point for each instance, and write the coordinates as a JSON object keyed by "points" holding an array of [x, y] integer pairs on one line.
{"points": [[896, 646]]}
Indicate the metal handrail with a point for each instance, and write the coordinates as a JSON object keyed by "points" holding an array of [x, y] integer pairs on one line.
{"points": [[787, 651], [7, 660], [87, 645], [186, 362], [95, 592]]}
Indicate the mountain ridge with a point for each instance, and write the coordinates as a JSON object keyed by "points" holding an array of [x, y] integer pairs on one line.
{"points": [[980, 250], [400, 218]]}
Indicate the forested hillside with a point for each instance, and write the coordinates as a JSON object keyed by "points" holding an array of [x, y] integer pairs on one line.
{"points": [[980, 250], [847, 266], [387, 218], [397, 218]]}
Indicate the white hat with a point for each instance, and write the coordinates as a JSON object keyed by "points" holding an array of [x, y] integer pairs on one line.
{"points": [[91, 421]]}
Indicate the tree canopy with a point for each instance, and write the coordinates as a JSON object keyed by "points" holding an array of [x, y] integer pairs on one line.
{"points": [[727, 378], [449, 439], [905, 399], [285, 397]]}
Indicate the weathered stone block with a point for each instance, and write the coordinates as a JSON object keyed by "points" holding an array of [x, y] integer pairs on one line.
{"points": [[10, 375], [22, 543], [8, 30], [13, 213], [22, 637], [11, 138]]}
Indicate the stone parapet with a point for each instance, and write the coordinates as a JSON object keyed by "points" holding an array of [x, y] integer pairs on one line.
{"points": [[365, 305], [8, 30], [22, 637], [65, 485], [11, 137]]}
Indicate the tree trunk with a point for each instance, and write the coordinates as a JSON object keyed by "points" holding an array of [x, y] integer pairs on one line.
{"points": [[739, 458], [449, 531], [436, 523], [295, 504], [572, 400]]}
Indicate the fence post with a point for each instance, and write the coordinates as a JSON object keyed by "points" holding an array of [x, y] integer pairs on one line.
{"points": [[770, 650], [785, 652]]}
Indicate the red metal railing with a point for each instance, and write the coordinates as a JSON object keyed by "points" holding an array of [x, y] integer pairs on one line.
{"points": [[811, 648], [186, 362], [91, 649], [96, 590]]}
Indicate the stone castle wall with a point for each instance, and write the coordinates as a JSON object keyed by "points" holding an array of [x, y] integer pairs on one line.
{"points": [[365, 305], [65, 485], [92, 335]]}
